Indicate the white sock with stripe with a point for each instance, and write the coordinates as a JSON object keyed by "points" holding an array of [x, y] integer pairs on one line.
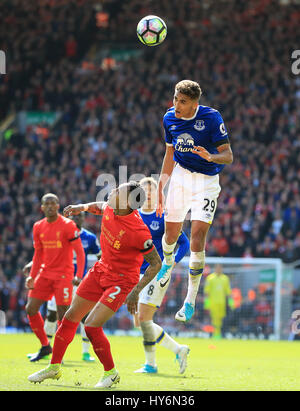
{"points": [[165, 340], [168, 250], [196, 266]]}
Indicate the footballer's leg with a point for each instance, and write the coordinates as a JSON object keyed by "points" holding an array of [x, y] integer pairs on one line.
{"points": [[51, 319], [150, 300], [165, 340], [50, 323], [85, 341], [178, 202], [169, 241], [94, 331], [145, 319], [63, 297], [196, 265], [49, 327], [61, 311], [85, 344], [112, 298], [206, 190], [37, 325], [217, 314], [63, 337]]}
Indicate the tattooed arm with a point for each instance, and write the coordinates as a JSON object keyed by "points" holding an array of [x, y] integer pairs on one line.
{"points": [[154, 266], [93, 208]]}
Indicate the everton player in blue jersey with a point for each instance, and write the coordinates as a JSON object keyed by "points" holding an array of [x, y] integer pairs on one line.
{"points": [[90, 245], [152, 295], [197, 149]]}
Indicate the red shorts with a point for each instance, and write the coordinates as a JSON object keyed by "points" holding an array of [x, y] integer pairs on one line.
{"points": [[100, 286], [45, 289]]}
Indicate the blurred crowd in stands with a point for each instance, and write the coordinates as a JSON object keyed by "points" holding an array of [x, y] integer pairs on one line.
{"points": [[110, 114]]}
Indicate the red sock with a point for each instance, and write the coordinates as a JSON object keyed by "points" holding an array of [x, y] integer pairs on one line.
{"points": [[101, 346], [37, 325], [63, 337]]}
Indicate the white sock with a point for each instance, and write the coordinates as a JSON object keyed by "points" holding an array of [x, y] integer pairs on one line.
{"points": [[149, 342], [50, 328], [85, 340], [196, 266], [168, 251], [150, 358], [165, 340]]}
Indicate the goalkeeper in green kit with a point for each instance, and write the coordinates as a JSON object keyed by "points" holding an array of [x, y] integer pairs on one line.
{"points": [[217, 289]]}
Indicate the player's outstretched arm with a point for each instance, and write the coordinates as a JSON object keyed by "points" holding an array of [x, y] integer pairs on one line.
{"points": [[224, 155], [93, 208], [154, 261], [166, 171]]}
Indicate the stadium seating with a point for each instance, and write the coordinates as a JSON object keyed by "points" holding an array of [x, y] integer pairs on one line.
{"points": [[110, 115]]}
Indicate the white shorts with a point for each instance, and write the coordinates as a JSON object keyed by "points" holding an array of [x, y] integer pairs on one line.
{"points": [[153, 293], [191, 191]]}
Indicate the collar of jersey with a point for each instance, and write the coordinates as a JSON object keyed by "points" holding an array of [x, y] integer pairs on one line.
{"points": [[146, 212], [54, 222], [191, 118], [126, 215]]}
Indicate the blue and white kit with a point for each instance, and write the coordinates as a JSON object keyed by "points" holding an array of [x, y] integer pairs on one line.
{"points": [[155, 291], [194, 183]]}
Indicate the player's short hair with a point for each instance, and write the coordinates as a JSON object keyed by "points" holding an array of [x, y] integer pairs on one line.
{"points": [[136, 195], [49, 195], [190, 88], [148, 180]]}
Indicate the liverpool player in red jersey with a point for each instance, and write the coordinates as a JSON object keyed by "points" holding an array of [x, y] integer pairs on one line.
{"points": [[125, 242], [52, 271]]}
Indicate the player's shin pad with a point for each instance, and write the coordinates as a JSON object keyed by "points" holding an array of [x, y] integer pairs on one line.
{"points": [[168, 250], [148, 335], [196, 266]]}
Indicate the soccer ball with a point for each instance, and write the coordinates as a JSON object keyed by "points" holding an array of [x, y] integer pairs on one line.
{"points": [[151, 30]]}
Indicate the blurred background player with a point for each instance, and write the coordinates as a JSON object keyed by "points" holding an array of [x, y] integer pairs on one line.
{"points": [[217, 292], [152, 295], [113, 280], [197, 148], [52, 271], [90, 245]]}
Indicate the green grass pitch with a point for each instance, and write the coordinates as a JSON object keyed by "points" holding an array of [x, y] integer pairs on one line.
{"points": [[224, 365]]}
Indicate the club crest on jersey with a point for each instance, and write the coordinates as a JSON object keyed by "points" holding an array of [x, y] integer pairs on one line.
{"points": [[199, 125], [154, 225], [185, 142]]}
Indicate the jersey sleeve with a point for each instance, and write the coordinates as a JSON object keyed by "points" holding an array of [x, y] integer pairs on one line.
{"points": [[37, 244], [144, 240], [219, 133], [168, 135], [80, 257], [38, 253], [72, 232]]}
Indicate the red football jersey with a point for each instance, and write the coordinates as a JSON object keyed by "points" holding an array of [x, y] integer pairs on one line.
{"points": [[124, 242], [55, 241]]}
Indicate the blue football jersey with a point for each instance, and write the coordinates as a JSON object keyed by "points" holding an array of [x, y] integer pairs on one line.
{"points": [[90, 245], [206, 128], [156, 226]]}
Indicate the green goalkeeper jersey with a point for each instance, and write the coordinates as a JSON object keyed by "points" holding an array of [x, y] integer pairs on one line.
{"points": [[217, 288]]}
